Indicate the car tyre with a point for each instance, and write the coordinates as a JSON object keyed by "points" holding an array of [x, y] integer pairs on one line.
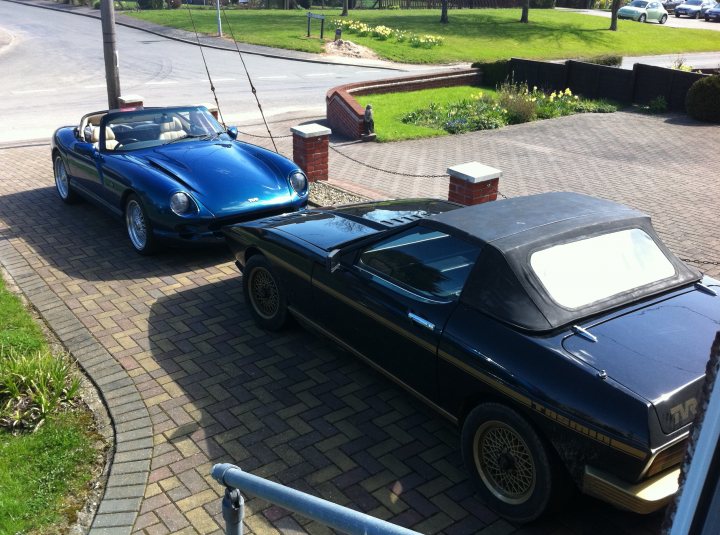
{"points": [[677, 15], [663, 19], [62, 181], [264, 294], [139, 227], [642, 18], [515, 472]]}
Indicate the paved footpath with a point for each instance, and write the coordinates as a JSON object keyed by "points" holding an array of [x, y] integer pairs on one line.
{"points": [[190, 381]]}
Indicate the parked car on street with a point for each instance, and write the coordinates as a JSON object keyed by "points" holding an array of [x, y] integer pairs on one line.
{"points": [[670, 5], [694, 8], [558, 331], [713, 14], [644, 10], [172, 174]]}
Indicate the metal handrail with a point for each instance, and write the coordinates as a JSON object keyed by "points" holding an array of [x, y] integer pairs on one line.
{"points": [[328, 513]]}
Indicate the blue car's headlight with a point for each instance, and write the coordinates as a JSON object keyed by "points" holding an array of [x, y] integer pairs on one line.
{"points": [[298, 181], [182, 204]]}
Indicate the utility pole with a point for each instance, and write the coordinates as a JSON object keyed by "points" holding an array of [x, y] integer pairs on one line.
{"points": [[112, 74], [218, 18]]}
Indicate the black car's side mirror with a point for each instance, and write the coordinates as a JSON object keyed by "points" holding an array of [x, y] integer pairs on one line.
{"points": [[332, 263], [86, 149], [232, 132]]}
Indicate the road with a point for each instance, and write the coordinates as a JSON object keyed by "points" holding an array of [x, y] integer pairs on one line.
{"points": [[672, 22], [53, 72]]}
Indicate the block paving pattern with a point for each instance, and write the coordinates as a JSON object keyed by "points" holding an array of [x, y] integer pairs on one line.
{"points": [[211, 387]]}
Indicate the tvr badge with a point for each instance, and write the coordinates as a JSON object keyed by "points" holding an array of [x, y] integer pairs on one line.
{"points": [[253, 199], [684, 411]]}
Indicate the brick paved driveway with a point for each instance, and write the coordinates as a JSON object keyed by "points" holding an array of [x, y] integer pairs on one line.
{"points": [[294, 407]]}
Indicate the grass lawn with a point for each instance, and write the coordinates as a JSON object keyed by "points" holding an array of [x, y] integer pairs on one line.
{"points": [[389, 108], [44, 474], [471, 35]]}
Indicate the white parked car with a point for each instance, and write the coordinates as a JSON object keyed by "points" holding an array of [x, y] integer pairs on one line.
{"points": [[644, 10]]}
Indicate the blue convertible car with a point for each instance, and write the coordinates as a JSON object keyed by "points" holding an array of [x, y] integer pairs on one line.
{"points": [[559, 332], [172, 173]]}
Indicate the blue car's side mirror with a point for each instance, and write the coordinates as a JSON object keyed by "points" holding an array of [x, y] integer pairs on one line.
{"points": [[232, 132], [86, 149]]}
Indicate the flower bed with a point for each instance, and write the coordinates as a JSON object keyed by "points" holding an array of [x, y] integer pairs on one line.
{"points": [[513, 104], [383, 33]]}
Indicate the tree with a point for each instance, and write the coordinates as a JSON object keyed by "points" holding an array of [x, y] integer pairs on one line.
{"points": [[443, 12], [525, 11], [613, 19], [345, 9]]}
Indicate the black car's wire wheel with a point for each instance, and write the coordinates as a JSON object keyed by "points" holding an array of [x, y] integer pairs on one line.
{"points": [[139, 228], [504, 462], [516, 474], [264, 293], [62, 181]]}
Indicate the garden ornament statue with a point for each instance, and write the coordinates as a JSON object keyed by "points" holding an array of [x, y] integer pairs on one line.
{"points": [[369, 121]]}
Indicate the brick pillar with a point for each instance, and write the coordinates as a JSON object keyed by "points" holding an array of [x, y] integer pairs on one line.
{"points": [[130, 102], [310, 150], [473, 183]]}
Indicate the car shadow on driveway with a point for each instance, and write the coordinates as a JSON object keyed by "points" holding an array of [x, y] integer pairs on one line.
{"points": [[296, 408], [85, 242]]}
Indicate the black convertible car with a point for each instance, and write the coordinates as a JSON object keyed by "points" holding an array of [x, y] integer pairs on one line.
{"points": [[558, 331]]}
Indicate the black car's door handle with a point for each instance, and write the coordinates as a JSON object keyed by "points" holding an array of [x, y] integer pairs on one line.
{"points": [[421, 321]]}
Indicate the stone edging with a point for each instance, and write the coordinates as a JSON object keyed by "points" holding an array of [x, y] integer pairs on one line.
{"points": [[133, 445], [346, 117]]}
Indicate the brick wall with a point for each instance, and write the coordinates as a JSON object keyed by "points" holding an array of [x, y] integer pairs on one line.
{"points": [[347, 118]]}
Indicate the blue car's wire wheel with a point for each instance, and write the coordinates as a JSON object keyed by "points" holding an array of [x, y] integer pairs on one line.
{"points": [[137, 230], [504, 462], [62, 181], [138, 226]]}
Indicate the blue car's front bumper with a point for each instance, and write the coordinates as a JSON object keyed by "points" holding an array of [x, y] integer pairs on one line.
{"points": [[208, 231]]}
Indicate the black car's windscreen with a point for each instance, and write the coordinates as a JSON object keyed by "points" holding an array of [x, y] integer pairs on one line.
{"points": [[424, 261], [582, 272]]}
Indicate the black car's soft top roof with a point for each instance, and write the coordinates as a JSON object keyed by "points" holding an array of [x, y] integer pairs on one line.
{"points": [[503, 285]]}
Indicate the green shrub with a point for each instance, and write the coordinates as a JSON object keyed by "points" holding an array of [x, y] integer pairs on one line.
{"points": [[703, 99], [542, 4], [521, 106], [96, 5], [611, 60], [150, 4], [595, 106], [34, 385], [657, 105], [468, 115], [494, 73]]}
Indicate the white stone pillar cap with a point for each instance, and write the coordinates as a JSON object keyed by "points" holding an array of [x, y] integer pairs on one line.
{"points": [[311, 130], [474, 172], [130, 99]]}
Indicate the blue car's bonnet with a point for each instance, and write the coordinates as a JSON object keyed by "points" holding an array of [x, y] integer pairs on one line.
{"points": [[222, 175]]}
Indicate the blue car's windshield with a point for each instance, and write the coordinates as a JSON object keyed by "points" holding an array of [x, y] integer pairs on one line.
{"points": [[694, 2], [140, 129]]}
